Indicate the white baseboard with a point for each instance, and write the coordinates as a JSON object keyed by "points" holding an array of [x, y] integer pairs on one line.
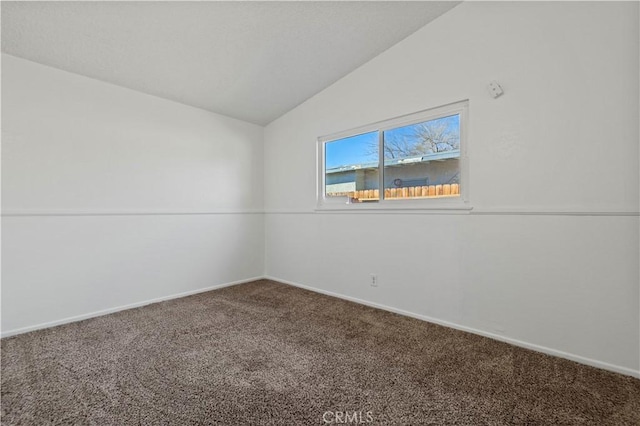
{"points": [[520, 343], [122, 308], [538, 348]]}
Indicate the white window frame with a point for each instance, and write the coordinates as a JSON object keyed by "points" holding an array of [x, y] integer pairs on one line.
{"points": [[453, 203]]}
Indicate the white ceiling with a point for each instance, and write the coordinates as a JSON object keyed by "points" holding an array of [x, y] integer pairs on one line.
{"points": [[249, 60]]}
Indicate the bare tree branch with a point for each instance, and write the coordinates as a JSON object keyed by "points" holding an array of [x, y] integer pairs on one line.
{"points": [[424, 138]]}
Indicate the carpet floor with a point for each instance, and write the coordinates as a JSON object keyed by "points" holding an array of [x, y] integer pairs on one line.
{"points": [[267, 353]]}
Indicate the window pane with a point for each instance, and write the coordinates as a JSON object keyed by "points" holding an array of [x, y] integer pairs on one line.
{"points": [[351, 167], [423, 160]]}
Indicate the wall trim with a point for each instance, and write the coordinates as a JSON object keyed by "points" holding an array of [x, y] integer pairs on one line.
{"points": [[347, 211], [474, 212], [515, 342], [35, 212], [541, 211], [103, 312]]}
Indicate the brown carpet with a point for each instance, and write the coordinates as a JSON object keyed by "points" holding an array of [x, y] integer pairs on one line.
{"points": [[268, 353]]}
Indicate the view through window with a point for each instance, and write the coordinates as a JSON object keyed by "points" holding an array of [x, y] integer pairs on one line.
{"points": [[418, 160]]}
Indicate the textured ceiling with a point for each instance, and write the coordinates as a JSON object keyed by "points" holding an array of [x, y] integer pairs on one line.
{"points": [[249, 60]]}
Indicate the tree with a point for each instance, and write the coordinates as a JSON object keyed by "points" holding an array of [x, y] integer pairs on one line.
{"points": [[436, 136], [420, 139]]}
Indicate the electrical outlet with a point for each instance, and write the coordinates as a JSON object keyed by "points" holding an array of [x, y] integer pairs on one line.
{"points": [[374, 280]]}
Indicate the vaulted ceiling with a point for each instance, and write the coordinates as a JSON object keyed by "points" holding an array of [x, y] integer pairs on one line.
{"points": [[250, 60]]}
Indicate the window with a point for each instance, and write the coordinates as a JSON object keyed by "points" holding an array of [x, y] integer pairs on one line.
{"points": [[409, 161]]}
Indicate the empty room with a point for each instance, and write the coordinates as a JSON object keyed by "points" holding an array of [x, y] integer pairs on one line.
{"points": [[320, 213]]}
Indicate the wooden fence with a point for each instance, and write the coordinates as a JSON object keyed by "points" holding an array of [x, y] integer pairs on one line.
{"points": [[428, 191]]}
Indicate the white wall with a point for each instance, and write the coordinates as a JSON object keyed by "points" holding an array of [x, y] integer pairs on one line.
{"points": [[112, 197], [548, 257]]}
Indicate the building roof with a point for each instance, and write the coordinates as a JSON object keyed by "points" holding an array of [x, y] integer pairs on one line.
{"points": [[436, 156]]}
